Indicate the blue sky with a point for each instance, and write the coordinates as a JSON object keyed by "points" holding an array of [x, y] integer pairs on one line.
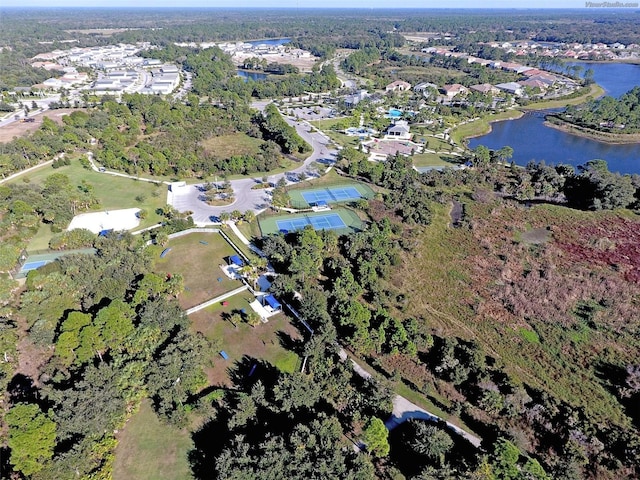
{"points": [[304, 3]]}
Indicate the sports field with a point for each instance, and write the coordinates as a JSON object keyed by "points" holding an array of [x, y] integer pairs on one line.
{"points": [[332, 194], [197, 257], [341, 220]]}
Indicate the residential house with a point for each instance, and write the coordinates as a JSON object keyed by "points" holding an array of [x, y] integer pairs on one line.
{"points": [[485, 88], [453, 90], [399, 130], [510, 87], [398, 86], [355, 98]]}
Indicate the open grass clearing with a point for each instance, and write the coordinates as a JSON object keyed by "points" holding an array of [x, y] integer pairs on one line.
{"points": [[149, 449], [113, 192], [433, 143], [241, 246], [225, 146], [199, 264], [595, 91], [269, 341], [40, 240], [482, 125], [431, 160]]}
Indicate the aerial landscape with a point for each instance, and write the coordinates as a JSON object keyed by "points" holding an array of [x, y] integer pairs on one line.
{"points": [[391, 242]]}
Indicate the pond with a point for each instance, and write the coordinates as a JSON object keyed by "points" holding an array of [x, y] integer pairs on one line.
{"points": [[532, 140], [255, 76]]}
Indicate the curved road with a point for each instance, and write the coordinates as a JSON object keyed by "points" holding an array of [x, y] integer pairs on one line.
{"points": [[404, 410], [190, 197]]}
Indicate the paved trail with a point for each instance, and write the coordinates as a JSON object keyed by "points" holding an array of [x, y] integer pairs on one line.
{"points": [[404, 410]]}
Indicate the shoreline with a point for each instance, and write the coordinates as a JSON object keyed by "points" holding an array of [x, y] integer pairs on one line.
{"points": [[516, 115], [595, 91], [602, 137]]}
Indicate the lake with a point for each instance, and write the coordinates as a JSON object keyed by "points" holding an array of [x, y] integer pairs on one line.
{"points": [[532, 140], [256, 76], [269, 41]]}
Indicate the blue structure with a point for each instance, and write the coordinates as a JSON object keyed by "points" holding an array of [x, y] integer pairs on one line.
{"points": [[104, 233], [329, 221], [224, 355], [331, 194], [272, 302], [164, 252], [236, 260]]}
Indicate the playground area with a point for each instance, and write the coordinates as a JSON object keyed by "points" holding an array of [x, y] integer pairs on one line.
{"points": [[341, 220], [124, 219], [197, 257], [332, 194], [243, 344]]}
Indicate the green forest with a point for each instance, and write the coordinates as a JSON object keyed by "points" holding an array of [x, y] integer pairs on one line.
{"points": [[502, 299]]}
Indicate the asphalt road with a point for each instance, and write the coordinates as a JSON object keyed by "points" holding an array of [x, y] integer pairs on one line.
{"points": [[191, 197]]}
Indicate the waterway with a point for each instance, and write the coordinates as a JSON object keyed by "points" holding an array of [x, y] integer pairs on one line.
{"points": [[532, 140], [256, 76]]}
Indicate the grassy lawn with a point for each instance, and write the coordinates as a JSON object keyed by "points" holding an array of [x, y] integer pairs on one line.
{"points": [[41, 239], [241, 246], [328, 123], [113, 192], [433, 143], [430, 160], [250, 230], [226, 146], [149, 449], [594, 92], [199, 265], [482, 125], [268, 341], [342, 139]]}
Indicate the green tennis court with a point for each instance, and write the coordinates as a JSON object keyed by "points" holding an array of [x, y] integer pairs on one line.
{"points": [[332, 194], [342, 221]]}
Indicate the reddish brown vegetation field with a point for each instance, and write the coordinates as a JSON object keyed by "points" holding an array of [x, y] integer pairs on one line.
{"points": [[613, 242]]}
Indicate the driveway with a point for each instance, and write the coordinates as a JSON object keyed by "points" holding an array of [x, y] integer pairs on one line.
{"points": [[191, 197]]}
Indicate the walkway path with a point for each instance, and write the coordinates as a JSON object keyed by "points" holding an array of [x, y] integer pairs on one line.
{"points": [[220, 298], [404, 410], [27, 170]]}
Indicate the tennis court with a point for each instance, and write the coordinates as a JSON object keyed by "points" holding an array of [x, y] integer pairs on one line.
{"points": [[36, 261], [27, 267], [341, 220], [332, 194], [328, 221]]}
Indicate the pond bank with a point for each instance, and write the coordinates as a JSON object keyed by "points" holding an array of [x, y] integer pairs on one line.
{"points": [[604, 137]]}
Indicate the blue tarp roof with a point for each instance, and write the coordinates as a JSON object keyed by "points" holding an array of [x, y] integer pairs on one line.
{"points": [[273, 303], [224, 355], [236, 260]]}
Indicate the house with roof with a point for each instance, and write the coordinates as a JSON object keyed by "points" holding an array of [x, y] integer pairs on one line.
{"points": [[533, 83], [454, 90], [355, 98], [400, 130], [425, 88], [485, 88], [398, 86], [510, 87]]}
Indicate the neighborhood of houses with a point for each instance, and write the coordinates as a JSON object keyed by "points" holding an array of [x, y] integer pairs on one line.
{"points": [[115, 69]]}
